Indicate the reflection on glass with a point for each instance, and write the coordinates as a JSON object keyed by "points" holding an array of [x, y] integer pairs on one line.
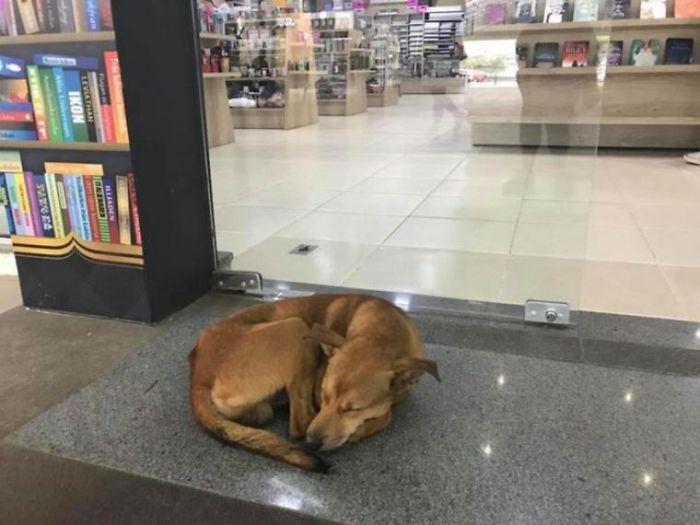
{"points": [[647, 479], [501, 380], [628, 397], [486, 449]]}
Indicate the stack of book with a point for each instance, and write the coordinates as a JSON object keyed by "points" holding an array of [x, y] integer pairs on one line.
{"points": [[75, 198], [27, 17], [62, 99]]}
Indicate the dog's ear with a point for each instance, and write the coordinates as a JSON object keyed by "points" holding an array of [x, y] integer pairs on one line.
{"points": [[329, 340], [408, 371]]}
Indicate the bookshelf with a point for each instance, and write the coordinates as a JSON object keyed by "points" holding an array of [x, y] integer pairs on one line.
{"points": [[622, 106], [151, 268]]}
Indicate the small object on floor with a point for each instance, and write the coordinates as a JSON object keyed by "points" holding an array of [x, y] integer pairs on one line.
{"points": [[692, 158]]}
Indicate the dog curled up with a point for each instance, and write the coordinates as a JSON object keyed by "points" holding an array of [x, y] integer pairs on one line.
{"points": [[343, 360]]}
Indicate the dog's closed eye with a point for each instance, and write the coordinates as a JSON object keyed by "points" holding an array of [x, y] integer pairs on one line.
{"points": [[352, 409]]}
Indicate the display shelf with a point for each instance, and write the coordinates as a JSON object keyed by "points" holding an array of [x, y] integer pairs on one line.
{"points": [[513, 30], [66, 146], [220, 126], [355, 100], [588, 121], [216, 37], [57, 38], [662, 69]]}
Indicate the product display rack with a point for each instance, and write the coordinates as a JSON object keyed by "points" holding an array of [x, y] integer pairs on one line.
{"points": [[608, 106], [385, 57], [168, 262], [343, 67], [290, 55], [220, 126]]}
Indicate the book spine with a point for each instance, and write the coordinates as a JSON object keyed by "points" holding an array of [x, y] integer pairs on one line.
{"points": [[78, 15], [63, 104], [92, 15], [54, 204], [135, 220], [11, 16], [42, 197], [83, 211], [53, 23], [4, 29], [33, 203], [89, 106], [77, 110], [112, 215], [17, 134], [97, 106], [28, 16], [24, 204], [40, 14], [116, 92], [5, 201], [63, 204], [42, 126], [15, 204], [102, 219], [106, 111], [106, 15], [66, 19], [91, 203], [123, 210], [50, 97], [16, 116], [72, 202]]}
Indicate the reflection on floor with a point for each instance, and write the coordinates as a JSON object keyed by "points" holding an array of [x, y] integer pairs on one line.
{"points": [[396, 199]]}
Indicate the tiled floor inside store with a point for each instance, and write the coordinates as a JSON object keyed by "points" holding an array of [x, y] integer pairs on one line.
{"points": [[396, 199]]}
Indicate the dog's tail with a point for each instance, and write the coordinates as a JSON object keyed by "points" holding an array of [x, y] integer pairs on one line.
{"points": [[253, 439]]}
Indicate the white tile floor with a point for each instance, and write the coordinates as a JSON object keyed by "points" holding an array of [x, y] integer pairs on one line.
{"points": [[397, 199]]}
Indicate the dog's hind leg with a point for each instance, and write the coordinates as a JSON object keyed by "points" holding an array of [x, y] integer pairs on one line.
{"points": [[251, 414]]}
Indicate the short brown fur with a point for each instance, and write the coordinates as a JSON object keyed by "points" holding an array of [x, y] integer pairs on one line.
{"points": [[343, 361]]}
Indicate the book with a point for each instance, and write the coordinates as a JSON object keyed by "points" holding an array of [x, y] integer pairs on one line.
{"points": [[75, 103], [556, 11], [575, 53], [33, 203], [18, 217], [13, 27], [645, 52], [679, 51], [610, 53], [586, 10], [91, 203], [17, 120], [63, 203], [52, 21], [687, 8], [546, 54], [650, 9], [111, 205], [28, 16], [521, 52], [123, 209], [24, 204], [53, 115], [116, 91], [495, 13], [525, 11], [4, 30], [41, 122], [106, 111], [102, 219], [89, 106], [63, 105], [83, 210], [72, 204], [66, 61], [135, 220], [5, 202], [617, 9], [106, 20], [42, 197], [39, 5], [55, 205], [68, 168], [66, 17], [97, 105], [92, 15]]}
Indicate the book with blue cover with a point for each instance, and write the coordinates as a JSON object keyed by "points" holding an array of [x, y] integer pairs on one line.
{"points": [[5, 202], [679, 51], [66, 61], [16, 110]]}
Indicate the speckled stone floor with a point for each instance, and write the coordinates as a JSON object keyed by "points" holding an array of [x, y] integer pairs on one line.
{"points": [[503, 439]]}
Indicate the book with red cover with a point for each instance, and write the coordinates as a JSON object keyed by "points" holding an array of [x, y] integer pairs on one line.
{"points": [[575, 54], [135, 221], [116, 96], [106, 110], [91, 206], [687, 8]]}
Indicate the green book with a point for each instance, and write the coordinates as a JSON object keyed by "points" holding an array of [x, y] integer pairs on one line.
{"points": [[101, 208], [53, 113]]}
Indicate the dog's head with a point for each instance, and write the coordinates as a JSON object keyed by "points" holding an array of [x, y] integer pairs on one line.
{"points": [[354, 390]]}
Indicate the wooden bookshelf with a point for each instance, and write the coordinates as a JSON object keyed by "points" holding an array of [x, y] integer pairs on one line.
{"points": [[57, 38], [65, 146]]}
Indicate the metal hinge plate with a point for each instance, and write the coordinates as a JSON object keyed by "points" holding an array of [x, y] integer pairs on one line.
{"points": [[238, 281], [547, 312]]}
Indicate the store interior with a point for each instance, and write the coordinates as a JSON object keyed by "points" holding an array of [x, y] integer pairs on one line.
{"points": [[465, 168]]}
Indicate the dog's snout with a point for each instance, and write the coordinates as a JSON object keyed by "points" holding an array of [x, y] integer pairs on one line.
{"points": [[313, 444]]}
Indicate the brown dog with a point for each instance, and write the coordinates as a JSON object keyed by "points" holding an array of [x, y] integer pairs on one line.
{"points": [[349, 356]]}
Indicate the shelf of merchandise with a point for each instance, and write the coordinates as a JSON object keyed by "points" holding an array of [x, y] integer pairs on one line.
{"points": [[216, 37], [354, 80], [64, 146], [58, 38], [220, 127], [300, 106], [622, 106], [385, 56]]}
